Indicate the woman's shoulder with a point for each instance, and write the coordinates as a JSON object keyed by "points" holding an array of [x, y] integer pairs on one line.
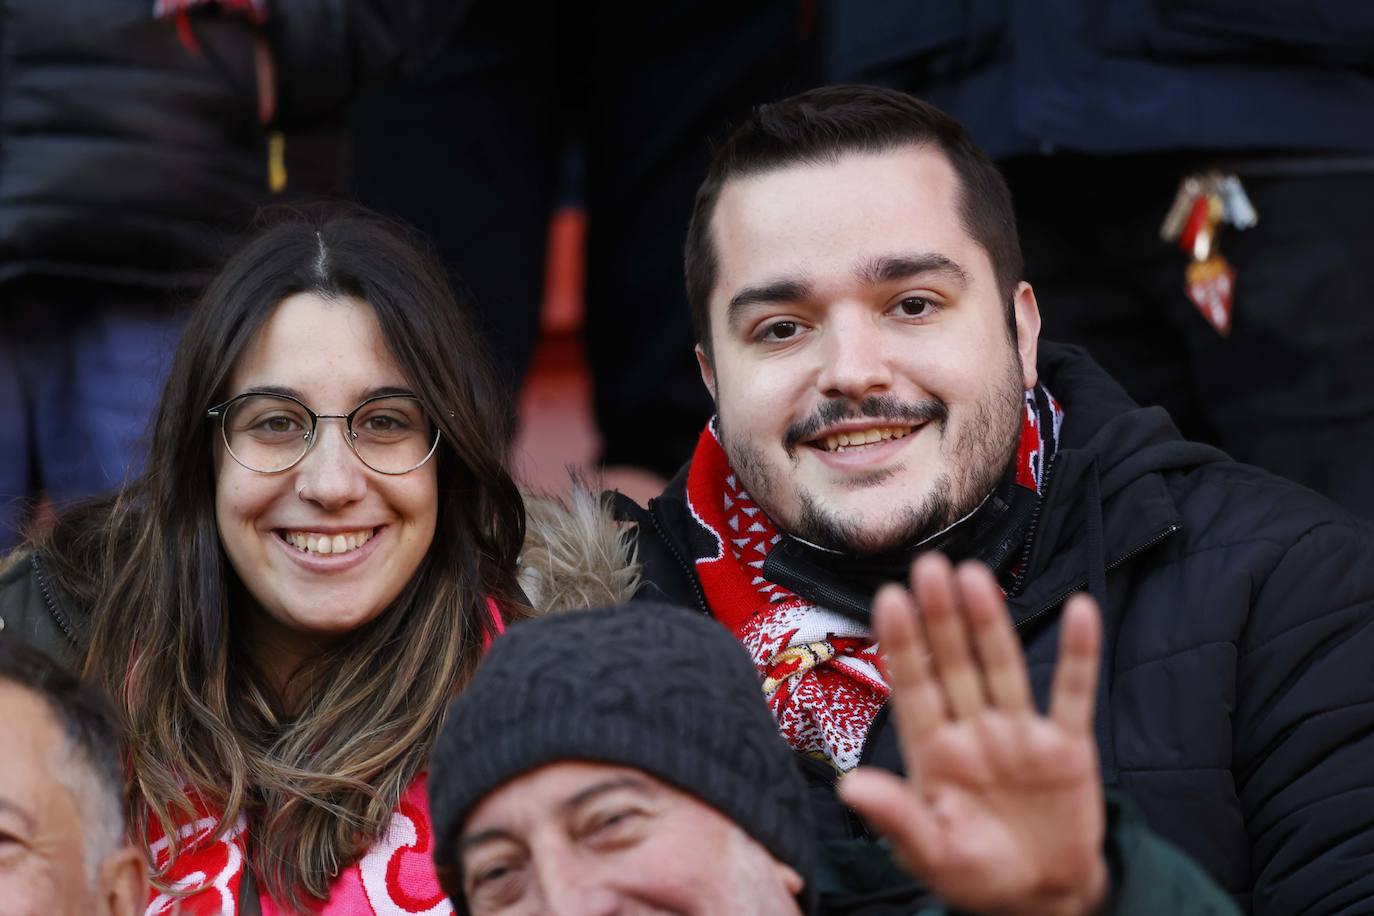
{"points": [[31, 607]]}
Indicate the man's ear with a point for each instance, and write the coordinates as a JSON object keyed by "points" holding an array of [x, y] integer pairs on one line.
{"points": [[1027, 332], [123, 882], [708, 372], [790, 878]]}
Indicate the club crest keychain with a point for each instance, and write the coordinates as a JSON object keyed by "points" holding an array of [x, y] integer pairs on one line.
{"points": [[1205, 202]]}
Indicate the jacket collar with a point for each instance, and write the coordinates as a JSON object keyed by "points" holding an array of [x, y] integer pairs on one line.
{"points": [[993, 532]]}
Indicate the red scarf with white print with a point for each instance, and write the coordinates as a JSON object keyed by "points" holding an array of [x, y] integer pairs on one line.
{"points": [[394, 878], [820, 668]]}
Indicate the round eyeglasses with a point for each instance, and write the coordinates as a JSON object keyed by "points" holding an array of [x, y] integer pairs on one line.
{"points": [[270, 433]]}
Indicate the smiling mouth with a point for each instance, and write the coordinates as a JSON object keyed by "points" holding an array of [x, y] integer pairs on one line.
{"points": [[859, 438], [320, 544]]}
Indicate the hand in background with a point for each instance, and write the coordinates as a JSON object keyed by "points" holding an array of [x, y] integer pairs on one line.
{"points": [[1001, 810]]}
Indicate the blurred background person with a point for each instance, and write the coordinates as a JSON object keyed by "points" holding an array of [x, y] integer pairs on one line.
{"points": [[1246, 128], [63, 850], [138, 139], [609, 105]]}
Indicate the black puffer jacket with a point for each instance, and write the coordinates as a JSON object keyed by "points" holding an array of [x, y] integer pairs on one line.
{"points": [[127, 158], [1237, 699]]}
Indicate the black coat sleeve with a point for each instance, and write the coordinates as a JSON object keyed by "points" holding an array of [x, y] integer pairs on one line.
{"points": [[1304, 726]]}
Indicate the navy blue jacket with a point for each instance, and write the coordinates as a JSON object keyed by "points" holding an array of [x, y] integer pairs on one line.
{"points": [[1123, 76], [1237, 699]]}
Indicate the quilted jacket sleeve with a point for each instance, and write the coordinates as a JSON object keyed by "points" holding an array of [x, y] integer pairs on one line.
{"points": [[327, 51], [1304, 726]]}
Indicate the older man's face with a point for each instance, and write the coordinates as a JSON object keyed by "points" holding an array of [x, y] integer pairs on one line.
{"points": [[868, 389], [594, 838], [42, 848]]}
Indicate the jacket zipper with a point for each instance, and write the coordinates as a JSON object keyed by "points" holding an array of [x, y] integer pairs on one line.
{"points": [[1034, 526], [1172, 529], [828, 597], [53, 609], [677, 555]]}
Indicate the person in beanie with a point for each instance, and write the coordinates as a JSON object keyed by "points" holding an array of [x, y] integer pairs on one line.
{"points": [[620, 759], [628, 743]]}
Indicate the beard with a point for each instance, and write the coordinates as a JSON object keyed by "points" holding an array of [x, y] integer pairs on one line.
{"points": [[975, 461]]}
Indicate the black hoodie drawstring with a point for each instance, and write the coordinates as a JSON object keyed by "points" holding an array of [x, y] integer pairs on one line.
{"points": [[1097, 587]]}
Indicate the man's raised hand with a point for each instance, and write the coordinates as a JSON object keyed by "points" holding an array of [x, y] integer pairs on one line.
{"points": [[1001, 810]]}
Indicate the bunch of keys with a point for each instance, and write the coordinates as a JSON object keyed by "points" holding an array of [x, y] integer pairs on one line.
{"points": [[1204, 202]]}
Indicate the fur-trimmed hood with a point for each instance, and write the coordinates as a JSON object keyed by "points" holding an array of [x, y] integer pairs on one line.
{"points": [[576, 554]]}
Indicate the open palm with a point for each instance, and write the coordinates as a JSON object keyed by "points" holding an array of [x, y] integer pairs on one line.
{"points": [[1001, 810]]}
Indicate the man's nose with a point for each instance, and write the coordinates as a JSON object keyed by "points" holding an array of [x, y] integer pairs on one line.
{"points": [[331, 475], [854, 356], [571, 888]]}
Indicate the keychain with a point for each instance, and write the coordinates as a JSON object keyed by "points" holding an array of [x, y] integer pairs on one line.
{"points": [[1204, 202]]}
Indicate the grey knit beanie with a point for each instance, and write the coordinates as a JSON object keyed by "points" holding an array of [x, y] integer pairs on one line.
{"points": [[649, 686]]}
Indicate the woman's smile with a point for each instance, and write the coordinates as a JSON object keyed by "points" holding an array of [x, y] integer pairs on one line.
{"points": [[329, 551]]}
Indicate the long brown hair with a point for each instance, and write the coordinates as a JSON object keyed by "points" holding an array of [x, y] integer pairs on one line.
{"points": [[165, 635]]}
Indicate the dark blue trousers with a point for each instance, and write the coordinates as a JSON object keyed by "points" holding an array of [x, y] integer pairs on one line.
{"points": [[81, 369]]}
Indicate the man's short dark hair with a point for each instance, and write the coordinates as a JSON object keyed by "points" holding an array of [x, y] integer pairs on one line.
{"points": [[90, 737], [818, 127]]}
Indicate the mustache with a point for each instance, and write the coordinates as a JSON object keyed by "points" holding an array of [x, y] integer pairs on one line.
{"points": [[878, 407]]}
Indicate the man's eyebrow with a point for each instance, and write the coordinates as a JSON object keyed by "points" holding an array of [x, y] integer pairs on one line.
{"points": [[613, 784], [486, 836], [888, 268], [21, 813], [773, 291]]}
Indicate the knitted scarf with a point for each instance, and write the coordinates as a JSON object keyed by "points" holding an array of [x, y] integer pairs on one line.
{"points": [[820, 669], [394, 878]]}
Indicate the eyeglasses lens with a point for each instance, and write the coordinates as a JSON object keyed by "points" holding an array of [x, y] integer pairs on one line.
{"points": [[269, 433]]}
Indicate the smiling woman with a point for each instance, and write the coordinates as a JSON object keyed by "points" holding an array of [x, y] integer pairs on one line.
{"points": [[283, 604]]}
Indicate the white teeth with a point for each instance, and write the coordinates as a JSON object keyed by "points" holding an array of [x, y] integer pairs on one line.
{"points": [[327, 544], [858, 438]]}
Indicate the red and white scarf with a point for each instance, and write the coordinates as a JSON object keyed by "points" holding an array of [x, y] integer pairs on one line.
{"points": [[395, 878], [820, 668]]}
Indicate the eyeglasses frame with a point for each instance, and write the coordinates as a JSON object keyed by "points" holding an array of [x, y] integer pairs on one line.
{"points": [[220, 412]]}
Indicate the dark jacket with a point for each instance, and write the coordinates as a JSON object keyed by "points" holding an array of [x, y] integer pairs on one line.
{"points": [[1236, 704], [1126, 76], [33, 609], [128, 157]]}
